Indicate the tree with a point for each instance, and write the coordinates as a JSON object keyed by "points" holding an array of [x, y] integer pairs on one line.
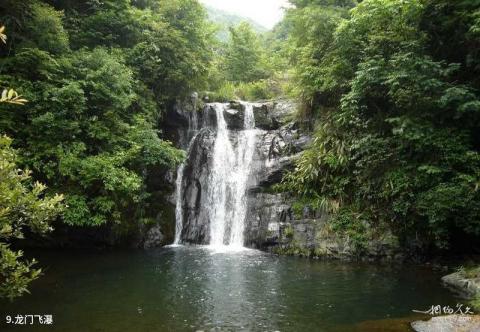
{"points": [[244, 60], [99, 81], [21, 206], [399, 113]]}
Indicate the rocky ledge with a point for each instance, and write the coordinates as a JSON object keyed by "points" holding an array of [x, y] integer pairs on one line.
{"points": [[272, 225], [450, 323], [272, 222], [465, 286]]}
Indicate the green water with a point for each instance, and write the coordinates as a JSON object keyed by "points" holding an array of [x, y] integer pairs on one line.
{"points": [[193, 289]]}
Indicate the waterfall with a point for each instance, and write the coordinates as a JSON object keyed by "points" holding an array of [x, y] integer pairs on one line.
{"points": [[227, 199], [190, 137], [178, 204], [223, 191], [218, 189], [241, 172]]}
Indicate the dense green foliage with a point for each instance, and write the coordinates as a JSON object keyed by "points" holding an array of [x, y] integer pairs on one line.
{"points": [[243, 55], [98, 77], [21, 206], [243, 67], [392, 85], [394, 88]]}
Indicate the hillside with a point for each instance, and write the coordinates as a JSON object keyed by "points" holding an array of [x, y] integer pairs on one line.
{"points": [[225, 19]]}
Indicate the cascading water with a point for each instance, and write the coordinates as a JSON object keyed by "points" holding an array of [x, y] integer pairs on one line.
{"points": [[239, 178], [178, 204], [218, 189], [224, 191], [190, 136]]}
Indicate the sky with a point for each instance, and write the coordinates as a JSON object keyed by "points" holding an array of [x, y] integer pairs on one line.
{"points": [[264, 12]]}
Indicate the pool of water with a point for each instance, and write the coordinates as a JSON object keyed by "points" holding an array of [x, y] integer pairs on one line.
{"points": [[200, 289]]}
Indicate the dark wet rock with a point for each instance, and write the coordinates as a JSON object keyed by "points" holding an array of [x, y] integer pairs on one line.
{"points": [[154, 238], [196, 171], [177, 117], [184, 119], [208, 118], [284, 141], [234, 118], [236, 105], [272, 115], [263, 118], [271, 223], [233, 114], [450, 323], [462, 285], [266, 214], [277, 151], [274, 172]]}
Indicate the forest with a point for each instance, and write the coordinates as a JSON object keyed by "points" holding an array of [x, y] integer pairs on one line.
{"points": [[389, 91]]}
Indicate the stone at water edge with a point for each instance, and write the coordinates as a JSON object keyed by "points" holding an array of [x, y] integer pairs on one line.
{"points": [[466, 287], [154, 238], [450, 323]]}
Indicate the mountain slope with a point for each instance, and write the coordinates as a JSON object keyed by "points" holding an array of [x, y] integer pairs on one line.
{"points": [[225, 19]]}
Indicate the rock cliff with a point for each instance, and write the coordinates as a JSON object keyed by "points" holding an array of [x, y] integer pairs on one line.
{"points": [[271, 223]]}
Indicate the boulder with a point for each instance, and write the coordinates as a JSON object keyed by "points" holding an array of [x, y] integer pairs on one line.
{"points": [[272, 115], [263, 116], [459, 283], [234, 118], [450, 323], [154, 238]]}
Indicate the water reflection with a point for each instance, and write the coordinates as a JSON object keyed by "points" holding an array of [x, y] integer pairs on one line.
{"points": [[225, 289], [197, 288]]}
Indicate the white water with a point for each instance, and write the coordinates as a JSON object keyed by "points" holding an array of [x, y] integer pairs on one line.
{"points": [[223, 157], [178, 205], [241, 172], [225, 201]]}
